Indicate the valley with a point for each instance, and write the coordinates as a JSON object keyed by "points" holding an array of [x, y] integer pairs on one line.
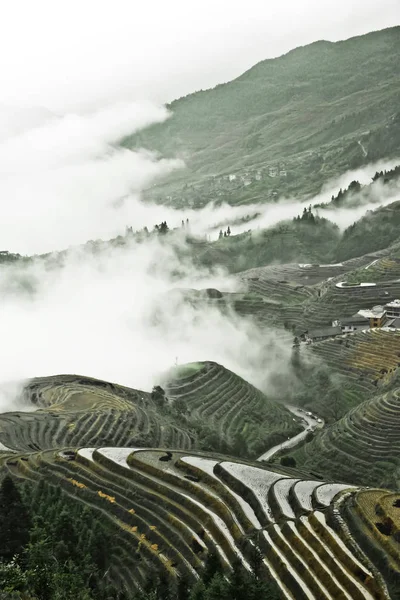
{"points": [[207, 406]]}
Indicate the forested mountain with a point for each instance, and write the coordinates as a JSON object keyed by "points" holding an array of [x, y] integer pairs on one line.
{"points": [[308, 115]]}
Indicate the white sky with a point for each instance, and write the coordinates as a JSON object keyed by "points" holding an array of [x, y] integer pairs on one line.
{"points": [[69, 54]]}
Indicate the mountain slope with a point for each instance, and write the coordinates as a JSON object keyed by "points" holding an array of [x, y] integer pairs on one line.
{"points": [[169, 511], [218, 410], [318, 98], [360, 447]]}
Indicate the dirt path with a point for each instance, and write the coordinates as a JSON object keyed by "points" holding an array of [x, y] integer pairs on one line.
{"points": [[310, 424]]}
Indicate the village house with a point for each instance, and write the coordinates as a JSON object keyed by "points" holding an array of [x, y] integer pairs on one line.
{"points": [[376, 316], [350, 324], [317, 335], [273, 172], [393, 309]]}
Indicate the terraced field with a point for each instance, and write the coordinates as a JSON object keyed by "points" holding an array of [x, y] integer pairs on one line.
{"points": [[170, 509], [386, 268], [372, 356], [80, 410], [357, 365], [306, 295], [73, 410], [230, 406], [362, 447], [336, 301], [374, 520]]}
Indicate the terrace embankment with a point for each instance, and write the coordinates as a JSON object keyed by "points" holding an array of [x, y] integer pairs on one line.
{"points": [[170, 509]]}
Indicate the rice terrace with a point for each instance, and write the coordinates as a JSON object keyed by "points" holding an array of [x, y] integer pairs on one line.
{"points": [[200, 305]]}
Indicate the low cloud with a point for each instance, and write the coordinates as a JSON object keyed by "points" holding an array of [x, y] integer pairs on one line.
{"points": [[110, 316], [212, 218], [64, 179]]}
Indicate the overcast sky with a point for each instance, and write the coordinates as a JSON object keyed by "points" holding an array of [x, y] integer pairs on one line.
{"points": [[70, 54]]}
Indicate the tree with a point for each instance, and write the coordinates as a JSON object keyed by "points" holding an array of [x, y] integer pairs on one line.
{"points": [[228, 231], [158, 395], [180, 406], [14, 521], [218, 589], [256, 560], [212, 567], [182, 589], [198, 591], [163, 229], [288, 461]]}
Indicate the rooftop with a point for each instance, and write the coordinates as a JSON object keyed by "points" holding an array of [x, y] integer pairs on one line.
{"points": [[324, 332], [393, 304], [393, 323], [358, 318], [376, 312]]}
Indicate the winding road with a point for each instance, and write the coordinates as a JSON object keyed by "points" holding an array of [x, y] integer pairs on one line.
{"points": [[309, 423]]}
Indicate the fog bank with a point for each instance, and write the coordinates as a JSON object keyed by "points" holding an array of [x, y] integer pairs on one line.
{"points": [[109, 316]]}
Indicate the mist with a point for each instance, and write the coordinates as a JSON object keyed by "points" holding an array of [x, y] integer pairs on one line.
{"points": [[212, 218], [110, 316]]}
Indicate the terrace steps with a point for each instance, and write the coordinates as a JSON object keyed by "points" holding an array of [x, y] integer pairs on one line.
{"points": [[188, 505]]}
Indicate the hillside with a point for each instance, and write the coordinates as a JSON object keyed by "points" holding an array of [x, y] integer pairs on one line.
{"points": [[375, 231], [285, 126], [168, 512], [360, 447], [80, 410], [286, 242], [228, 408]]}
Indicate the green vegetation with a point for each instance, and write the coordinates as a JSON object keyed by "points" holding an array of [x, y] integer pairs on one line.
{"points": [[376, 230], [90, 508], [285, 126], [286, 242], [227, 413], [186, 370], [200, 405], [153, 524], [361, 446], [58, 549]]}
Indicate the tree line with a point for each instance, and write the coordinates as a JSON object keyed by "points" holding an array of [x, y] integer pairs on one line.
{"points": [[53, 547]]}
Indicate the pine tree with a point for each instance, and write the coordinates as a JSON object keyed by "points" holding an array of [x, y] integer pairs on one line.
{"points": [[14, 521], [212, 567]]}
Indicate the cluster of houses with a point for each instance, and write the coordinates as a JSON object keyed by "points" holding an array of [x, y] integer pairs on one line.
{"points": [[387, 316], [196, 195], [249, 177]]}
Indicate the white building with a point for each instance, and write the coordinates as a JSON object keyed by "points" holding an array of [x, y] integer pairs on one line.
{"points": [[273, 172], [393, 309]]}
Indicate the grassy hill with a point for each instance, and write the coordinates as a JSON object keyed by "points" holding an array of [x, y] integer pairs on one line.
{"points": [[302, 114], [168, 511]]}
